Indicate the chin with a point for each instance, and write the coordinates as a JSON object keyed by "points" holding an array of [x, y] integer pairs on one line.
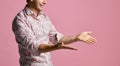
{"points": [[39, 9]]}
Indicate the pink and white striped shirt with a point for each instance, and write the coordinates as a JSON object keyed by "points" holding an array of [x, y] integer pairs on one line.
{"points": [[30, 32]]}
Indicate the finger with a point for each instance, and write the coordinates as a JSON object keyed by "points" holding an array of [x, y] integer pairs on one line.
{"points": [[93, 40], [63, 43], [89, 32], [72, 48], [69, 47], [87, 41]]}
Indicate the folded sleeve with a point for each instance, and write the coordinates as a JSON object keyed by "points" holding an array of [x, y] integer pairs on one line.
{"points": [[24, 35], [54, 35]]}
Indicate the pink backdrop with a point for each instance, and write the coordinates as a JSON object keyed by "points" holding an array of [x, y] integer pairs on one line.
{"points": [[70, 17]]}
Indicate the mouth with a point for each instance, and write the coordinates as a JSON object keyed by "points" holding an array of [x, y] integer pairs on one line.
{"points": [[41, 4]]}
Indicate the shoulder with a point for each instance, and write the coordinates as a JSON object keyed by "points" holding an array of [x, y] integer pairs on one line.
{"points": [[18, 19], [20, 15]]}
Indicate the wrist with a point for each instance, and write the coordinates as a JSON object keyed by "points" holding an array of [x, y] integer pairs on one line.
{"points": [[76, 38], [58, 45]]}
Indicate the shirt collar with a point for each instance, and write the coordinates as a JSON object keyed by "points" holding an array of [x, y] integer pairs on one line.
{"points": [[29, 12]]}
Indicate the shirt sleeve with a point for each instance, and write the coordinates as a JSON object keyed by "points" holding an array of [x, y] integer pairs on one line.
{"points": [[24, 35], [54, 35]]}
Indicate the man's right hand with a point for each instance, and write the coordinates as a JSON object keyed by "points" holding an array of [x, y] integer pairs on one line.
{"points": [[63, 46]]}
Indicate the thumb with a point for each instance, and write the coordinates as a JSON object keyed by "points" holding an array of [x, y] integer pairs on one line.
{"points": [[89, 33], [69, 47]]}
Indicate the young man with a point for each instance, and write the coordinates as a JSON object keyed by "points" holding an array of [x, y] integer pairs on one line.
{"points": [[33, 31]]}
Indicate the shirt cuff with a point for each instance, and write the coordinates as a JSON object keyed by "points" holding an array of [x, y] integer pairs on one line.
{"points": [[58, 37]]}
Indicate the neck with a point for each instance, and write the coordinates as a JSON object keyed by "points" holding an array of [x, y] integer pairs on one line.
{"points": [[35, 11]]}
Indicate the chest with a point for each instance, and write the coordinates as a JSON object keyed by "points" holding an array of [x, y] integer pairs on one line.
{"points": [[39, 26]]}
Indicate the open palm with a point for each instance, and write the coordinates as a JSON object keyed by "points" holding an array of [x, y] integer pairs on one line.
{"points": [[86, 37]]}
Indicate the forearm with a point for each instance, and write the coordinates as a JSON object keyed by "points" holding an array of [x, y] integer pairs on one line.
{"points": [[68, 39], [47, 48]]}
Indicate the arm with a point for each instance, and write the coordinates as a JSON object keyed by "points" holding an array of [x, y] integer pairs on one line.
{"points": [[59, 41], [47, 48], [83, 36], [27, 39], [68, 39]]}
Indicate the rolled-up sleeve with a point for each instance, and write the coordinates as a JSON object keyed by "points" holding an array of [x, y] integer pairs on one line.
{"points": [[24, 35], [54, 35]]}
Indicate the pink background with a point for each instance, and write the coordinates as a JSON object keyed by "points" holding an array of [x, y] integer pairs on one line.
{"points": [[70, 17]]}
